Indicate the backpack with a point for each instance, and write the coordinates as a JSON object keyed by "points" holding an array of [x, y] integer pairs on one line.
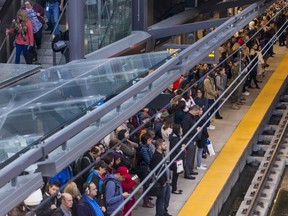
{"points": [[103, 191], [77, 167]]}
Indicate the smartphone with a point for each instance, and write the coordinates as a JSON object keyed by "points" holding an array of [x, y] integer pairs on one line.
{"points": [[134, 177]]}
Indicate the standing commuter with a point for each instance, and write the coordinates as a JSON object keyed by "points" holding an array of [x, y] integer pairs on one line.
{"points": [[162, 201], [187, 124], [53, 195], [53, 8], [66, 205], [88, 205], [35, 12], [22, 27]]}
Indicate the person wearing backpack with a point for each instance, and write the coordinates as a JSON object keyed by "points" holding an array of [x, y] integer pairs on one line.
{"points": [[128, 185], [83, 162], [97, 176], [113, 192]]}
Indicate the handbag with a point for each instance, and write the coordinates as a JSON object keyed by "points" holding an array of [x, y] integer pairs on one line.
{"points": [[210, 147], [179, 166]]}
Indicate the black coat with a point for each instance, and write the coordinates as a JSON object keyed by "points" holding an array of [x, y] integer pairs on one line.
{"points": [[174, 139], [188, 122], [45, 209], [156, 159], [58, 212]]}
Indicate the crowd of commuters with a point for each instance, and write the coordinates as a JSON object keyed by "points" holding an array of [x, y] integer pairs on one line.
{"points": [[28, 25], [125, 156]]}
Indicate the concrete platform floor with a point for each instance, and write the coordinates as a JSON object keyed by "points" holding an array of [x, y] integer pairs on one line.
{"points": [[231, 119]]}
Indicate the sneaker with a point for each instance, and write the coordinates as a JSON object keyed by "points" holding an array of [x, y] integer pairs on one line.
{"points": [[211, 127], [202, 164], [246, 93], [201, 167], [235, 107]]}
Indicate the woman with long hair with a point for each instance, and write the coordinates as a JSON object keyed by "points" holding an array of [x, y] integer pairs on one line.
{"points": [[24, 41]]}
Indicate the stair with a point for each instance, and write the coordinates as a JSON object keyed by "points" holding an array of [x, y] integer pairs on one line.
{"points": [[45, 54], [2, 2]]}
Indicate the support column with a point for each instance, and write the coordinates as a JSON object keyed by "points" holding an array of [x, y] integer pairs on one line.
{"points": [[139, 15], [76, 29]]}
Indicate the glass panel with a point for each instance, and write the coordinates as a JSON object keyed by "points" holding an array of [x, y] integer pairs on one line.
{"points": [[44, 102], [106, 22], [12, 72]]}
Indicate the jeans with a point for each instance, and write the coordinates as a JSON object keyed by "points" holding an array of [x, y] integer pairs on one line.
{"points": [[199, 156], [19, 49], [53, 10], [162, 202]]}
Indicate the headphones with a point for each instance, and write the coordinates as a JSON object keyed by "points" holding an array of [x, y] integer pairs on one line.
{"points": [[87, 190]]}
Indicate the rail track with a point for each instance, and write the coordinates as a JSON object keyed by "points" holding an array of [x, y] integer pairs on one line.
{"points": [[274, 143]]}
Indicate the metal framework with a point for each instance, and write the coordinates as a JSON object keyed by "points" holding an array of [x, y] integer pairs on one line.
{"points": [[62, 148]]}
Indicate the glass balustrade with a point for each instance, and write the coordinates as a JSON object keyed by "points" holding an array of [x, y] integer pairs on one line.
{"points": [[106, 22], [44, 102]]}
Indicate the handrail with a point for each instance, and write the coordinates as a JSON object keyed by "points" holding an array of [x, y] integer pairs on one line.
{"points": [[194, 127], [50, 144], [82, 123]]}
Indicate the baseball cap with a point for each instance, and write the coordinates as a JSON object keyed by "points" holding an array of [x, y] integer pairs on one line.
{"points": [[123, 171]]}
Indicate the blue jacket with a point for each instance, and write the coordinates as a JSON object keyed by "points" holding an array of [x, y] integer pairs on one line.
{"points": [[63, 176], [113, 193], [146, 154], [84, 208]]}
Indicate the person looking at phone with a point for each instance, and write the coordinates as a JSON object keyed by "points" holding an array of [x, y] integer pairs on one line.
{"points": [[128, 185], [114, 195], [47, 208]]}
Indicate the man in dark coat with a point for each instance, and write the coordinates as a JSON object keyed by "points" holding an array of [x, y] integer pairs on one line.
{"points": [[163, 200], [187, 124], [47, 208]]}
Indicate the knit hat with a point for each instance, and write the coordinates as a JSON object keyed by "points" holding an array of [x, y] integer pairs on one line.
{"points": [[34, 199], [164, 113]]}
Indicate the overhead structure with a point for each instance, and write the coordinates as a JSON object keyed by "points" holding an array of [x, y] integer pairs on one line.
{"points": [[84, 129]]}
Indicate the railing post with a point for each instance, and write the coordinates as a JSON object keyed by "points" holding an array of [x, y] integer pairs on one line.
{"points": [[8, 50], [99, 9]]}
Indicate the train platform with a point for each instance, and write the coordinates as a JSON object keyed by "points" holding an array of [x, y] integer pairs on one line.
{"points": [[199, 195]]}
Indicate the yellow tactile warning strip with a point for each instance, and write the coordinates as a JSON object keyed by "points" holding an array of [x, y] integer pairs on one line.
{"points": [[207, 191]]}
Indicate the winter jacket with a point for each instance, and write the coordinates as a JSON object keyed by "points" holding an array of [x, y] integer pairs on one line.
{"points": [[113, 193]]}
